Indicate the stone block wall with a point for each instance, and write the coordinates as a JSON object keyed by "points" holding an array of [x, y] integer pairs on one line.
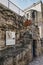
{"points": [[21, 58], [9, 21]]}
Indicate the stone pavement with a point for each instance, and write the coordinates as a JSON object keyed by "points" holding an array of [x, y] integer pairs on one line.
{"points": [[37, 61]]}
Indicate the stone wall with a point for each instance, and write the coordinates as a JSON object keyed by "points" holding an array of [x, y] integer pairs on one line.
{"points": [[21, 58], [9, 21]]}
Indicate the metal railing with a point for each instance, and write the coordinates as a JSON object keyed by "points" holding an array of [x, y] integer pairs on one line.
{"points": [[12, 6]]}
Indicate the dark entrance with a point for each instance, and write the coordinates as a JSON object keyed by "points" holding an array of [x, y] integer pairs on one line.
{"points": [[34, 48]]}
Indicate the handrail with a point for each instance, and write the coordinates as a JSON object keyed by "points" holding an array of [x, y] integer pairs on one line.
{"points": [[12, 6]]}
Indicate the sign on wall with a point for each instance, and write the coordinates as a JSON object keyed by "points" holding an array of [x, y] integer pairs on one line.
{"points": [[10, 38]]}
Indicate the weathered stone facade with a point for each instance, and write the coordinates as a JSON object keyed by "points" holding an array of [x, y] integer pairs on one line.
{"points": [[9, 21], [34, 13], [23, 51]]}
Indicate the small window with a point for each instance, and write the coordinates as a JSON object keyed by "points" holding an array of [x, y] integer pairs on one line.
{"points": [[28, 15], [33, 14]]}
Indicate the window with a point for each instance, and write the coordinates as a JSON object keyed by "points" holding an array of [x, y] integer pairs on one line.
{"points": [[33, 14], [28, 15]]}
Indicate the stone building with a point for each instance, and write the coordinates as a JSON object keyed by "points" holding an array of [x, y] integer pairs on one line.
{"points": [[18, 44], [14, 49], [35, 14]]}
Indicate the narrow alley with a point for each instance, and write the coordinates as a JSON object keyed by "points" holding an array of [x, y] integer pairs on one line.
{"points": [[37, 61]]}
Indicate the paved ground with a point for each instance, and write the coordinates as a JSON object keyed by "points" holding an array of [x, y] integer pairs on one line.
{"points": [[37, 61]]}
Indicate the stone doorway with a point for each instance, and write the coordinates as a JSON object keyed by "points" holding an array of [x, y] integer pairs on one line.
{"points": [[34, 48]]}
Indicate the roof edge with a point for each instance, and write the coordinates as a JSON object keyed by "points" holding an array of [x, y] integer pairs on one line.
{"points": [[34, 4]]}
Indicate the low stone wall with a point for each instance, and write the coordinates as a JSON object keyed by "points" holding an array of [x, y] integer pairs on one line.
{"points": [[20, 57]]}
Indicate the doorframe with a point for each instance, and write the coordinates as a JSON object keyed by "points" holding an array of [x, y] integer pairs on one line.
{"points": [[34, 47]]}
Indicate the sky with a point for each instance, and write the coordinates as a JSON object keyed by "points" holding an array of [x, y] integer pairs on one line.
{"points": [[24, 3]]}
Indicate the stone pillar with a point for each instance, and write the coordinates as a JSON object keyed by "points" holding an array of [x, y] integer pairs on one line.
{"points": [[38, 48], [37, 43]]}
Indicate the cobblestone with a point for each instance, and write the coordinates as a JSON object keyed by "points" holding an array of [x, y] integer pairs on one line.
{"points": [[37, 61]]}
